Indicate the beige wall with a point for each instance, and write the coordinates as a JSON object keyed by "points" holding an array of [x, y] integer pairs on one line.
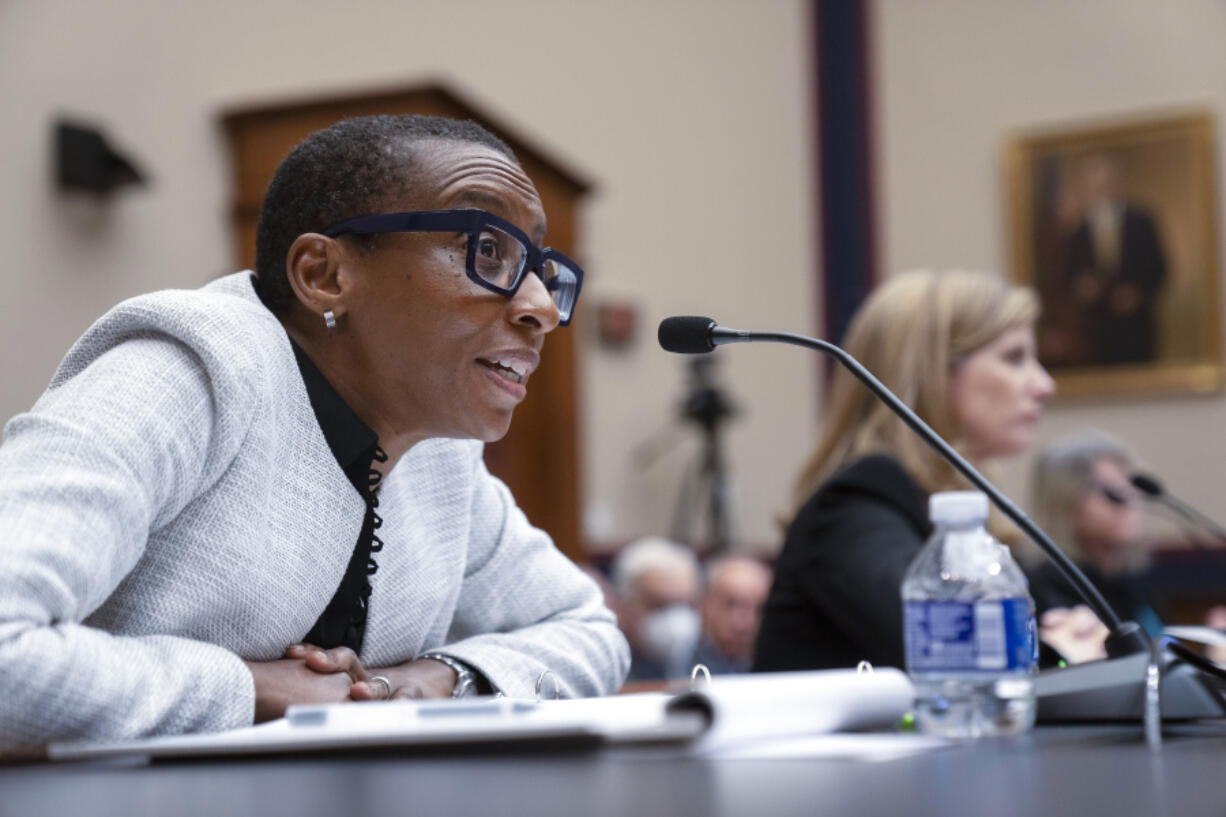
{"points": [[954, 78], [690, 115]]}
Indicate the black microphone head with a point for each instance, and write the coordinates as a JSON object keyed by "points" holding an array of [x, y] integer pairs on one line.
{"points": [[1146, 484], [686, 334]]}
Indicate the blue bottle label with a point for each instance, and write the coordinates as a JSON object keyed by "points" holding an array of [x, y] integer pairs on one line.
{"points": [[955, 636]]}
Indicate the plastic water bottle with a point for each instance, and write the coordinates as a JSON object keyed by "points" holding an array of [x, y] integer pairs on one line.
{"points": [[969, 626]]}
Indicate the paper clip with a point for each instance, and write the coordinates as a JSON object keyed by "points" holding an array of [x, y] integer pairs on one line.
{"points": [[695, 684], [540, 682], [864, 668]]}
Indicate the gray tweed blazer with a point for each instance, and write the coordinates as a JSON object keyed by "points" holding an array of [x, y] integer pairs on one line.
{"points": [[170, 507]]}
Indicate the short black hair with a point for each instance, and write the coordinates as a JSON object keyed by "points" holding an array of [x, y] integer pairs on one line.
{"points": [[353, 168]]}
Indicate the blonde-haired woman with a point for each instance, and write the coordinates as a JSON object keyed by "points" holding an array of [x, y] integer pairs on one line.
{"points": [[958, 347]]}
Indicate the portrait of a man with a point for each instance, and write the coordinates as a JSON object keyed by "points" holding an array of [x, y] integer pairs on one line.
{"points": [[1113, 227], [1114, 267]]}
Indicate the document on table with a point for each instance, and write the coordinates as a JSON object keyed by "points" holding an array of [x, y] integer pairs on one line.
{"points": [[1201, 635], [728, 714], [874, 747]]}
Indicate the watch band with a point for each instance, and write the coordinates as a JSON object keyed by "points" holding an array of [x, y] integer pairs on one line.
{"points": [[465, 680]]}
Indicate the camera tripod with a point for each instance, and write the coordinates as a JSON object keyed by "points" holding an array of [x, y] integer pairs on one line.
{"points": [[706, 480]]}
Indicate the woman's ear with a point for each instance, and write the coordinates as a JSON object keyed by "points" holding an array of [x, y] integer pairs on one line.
{"points": [[313, 267]]}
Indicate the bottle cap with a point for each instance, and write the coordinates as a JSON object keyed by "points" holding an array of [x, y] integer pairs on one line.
{"points": [[958, 507]]}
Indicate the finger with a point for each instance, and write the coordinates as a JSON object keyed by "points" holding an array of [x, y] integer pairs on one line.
{"points": [[300, 650], [338, 659], [1085, 622], [376, 688], [319, 660], [1086, 629], [366, 691], [1054, 617], [409, 692]]}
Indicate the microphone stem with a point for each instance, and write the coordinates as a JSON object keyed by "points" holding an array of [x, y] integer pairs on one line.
{"points": [[1194, 516], [1070, 571]]}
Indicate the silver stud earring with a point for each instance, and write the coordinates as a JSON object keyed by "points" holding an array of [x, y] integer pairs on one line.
{"points": [[329, 319]]}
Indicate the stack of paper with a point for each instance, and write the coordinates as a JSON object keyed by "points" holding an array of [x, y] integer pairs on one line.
{"points": [[728, 712]]}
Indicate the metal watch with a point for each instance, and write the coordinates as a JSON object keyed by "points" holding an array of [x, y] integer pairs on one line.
{"points": [[465, 678]]}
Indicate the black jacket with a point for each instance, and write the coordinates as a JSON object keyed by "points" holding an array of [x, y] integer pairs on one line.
{"points": [[835, 598], [1109, 337], [1127, 594]]}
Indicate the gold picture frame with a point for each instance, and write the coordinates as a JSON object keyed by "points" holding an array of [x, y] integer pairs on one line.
{"points": [[1115, 226]]}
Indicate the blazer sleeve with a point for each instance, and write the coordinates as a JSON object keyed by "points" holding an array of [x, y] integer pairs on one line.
{"points": [[105, 457], [525, 608], [855, 549]]}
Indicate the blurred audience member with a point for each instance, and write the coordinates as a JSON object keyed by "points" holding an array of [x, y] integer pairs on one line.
{"points": [[657, 586], [1082, 498], [731, 613]]}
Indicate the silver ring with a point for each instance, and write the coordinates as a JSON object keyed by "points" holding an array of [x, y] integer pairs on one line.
{"points": [[387, 685], [540, 682]]}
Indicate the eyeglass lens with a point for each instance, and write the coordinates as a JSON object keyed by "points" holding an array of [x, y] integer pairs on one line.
{"points": [[500, 257], [1114, 495], [562, 283]]}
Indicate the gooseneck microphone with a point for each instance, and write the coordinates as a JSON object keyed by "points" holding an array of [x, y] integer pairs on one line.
{"points": [[692, 335], [697, 335], [1152, 489], [1147, 484]]}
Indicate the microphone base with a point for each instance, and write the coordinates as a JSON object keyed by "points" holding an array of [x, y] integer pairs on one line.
{"points": [[1113, 691], [1127, 639]]}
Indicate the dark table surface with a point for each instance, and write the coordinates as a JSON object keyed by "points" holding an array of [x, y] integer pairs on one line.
{"points": [[1056, 770]]}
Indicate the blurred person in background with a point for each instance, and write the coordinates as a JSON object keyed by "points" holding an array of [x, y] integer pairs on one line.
{"points": [[1083, 498], [731, 609], [959, 349], [657, 585]]}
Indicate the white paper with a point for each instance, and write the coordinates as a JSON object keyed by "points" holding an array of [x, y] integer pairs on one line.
{"points": [[730, 711], [786, 704], [1201, 635], [866, 747]]}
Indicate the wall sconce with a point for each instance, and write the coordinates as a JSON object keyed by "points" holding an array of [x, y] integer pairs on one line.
{"points": [[616, 322], [85, 162]]}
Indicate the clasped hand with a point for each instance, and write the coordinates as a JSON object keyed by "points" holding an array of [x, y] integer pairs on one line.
{"points": [[313, 675], [1075, 633]]}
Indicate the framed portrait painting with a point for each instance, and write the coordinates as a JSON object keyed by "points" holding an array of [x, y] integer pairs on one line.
{"points": [[1115, 226]]}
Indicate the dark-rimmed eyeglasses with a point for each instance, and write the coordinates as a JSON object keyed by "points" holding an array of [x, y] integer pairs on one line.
{"points": [[500, 255], [1115, 495]]}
